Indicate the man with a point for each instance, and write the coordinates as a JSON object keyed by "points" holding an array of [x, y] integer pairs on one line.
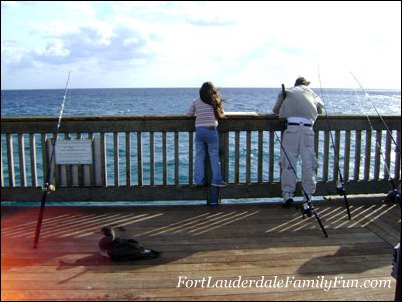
{"points": [[300, 107]]}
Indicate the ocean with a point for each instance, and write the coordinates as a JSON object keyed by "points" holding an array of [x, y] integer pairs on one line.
{"points": [[165, 101], [175, 101]]}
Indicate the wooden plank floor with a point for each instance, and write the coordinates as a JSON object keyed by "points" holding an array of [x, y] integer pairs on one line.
{"points": [[274, 253]]}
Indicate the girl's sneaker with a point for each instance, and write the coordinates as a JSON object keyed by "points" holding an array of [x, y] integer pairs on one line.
{"points": [[222, 184]]}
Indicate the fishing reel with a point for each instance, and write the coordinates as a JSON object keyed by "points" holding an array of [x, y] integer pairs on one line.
{"points": [[48, 188], [306, 209], [340, 188], [394, 196]]}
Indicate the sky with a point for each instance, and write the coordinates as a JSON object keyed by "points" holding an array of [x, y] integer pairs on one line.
{"points": [[136, 44]]}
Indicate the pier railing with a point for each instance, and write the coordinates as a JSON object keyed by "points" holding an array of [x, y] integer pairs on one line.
{"points": [[151, 158]]}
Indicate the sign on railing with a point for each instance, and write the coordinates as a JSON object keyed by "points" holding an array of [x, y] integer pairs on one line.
{"points": [[73, 152]]}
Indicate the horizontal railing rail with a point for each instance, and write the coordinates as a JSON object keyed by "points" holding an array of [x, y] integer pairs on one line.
{"points": [[151, 158]]}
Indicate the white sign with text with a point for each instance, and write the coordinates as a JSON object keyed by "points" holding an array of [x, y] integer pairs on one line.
{"points": [[73, 152]]}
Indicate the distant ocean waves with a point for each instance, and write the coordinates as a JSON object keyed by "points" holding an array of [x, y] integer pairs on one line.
{"points": [[155, 101]]}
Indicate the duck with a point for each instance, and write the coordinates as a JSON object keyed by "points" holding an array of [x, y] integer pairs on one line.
{"points": [[118, 249]]}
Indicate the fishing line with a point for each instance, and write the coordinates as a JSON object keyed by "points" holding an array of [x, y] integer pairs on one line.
{"points": [[382, 120], [340, 186], [394, 194], [48, 188]]}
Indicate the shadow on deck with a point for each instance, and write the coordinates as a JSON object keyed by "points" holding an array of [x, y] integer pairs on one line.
{"points": [[233, 252]]}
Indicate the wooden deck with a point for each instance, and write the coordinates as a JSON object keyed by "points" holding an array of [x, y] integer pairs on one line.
{"points": [[289, 256]]}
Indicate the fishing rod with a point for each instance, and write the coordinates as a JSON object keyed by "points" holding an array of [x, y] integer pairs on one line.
{"points": [[48, 187], [307, 207], [394, 194], [340, 186]]}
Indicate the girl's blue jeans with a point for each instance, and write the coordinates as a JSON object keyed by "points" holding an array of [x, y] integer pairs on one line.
{"points": [[207, 140]]}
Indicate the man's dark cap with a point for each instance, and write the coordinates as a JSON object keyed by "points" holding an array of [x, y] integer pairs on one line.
{"points": [[302, 81]]}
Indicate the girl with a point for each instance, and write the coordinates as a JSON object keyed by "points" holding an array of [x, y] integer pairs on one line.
{"points": [[207, 109]]}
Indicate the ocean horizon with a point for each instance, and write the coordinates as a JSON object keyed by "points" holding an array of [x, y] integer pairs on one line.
{"points": [[155, 101]]}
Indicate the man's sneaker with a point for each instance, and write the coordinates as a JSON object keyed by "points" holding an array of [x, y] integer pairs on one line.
{"points": [[287, 199], [309, 196], [306, 209], [221, 184]]}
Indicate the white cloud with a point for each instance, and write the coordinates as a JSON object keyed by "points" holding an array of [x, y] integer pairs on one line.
{"points": [[182, 43], [55, 49]]}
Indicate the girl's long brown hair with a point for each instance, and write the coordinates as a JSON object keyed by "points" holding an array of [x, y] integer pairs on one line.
{"points": [[210, 95]]}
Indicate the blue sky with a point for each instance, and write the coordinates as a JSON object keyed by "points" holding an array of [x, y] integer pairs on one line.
{"points": [[108, 44]]}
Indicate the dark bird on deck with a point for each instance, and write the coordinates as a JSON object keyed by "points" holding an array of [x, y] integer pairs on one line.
{"points": [[118, 249]]}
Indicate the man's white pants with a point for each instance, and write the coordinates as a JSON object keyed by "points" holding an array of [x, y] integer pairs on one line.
{"points": [[298, 141]]}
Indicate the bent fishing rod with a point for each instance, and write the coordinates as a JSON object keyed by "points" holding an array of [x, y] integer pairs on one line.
{"points": [[308, 200], [394, 194], [48, 187], [340, 186]]}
